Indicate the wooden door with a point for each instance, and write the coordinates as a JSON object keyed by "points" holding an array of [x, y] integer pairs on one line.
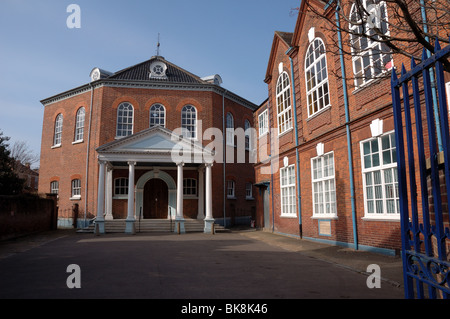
{"points": [[156, 199]]}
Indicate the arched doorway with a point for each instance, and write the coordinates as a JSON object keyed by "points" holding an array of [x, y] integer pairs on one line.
{"points": [[156, 196], [169, 188]]}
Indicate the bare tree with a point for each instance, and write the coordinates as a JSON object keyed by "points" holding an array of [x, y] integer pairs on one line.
{"points": [[21, 152], [373, 30]]}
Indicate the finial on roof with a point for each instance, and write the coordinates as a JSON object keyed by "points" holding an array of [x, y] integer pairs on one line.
{"points": [[157, 46]]}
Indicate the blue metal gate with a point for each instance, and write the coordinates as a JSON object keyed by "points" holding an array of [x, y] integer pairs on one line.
{"points": [[423, 191]]}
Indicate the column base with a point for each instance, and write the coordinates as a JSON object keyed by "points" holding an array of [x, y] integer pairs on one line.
{"points": [[109, 217], [130, 227], [179, 226], [209, 226], [99, 227]]}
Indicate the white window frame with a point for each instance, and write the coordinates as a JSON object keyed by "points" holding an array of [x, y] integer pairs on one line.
{"points": [[157, 113], [248, 191], [284, 105], [316, 77], [57, 138], [231, 189], [54, 187], [323, 184], [358, 55], [248, 135], [125, 118], [121, 187], [263, 122], [76, 189], [287, 191], [79, 125], [189, 187], [383, 183], [230, 129], [189, 115]]}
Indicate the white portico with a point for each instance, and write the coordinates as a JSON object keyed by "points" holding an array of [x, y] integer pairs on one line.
{"points": [[157, 151]]}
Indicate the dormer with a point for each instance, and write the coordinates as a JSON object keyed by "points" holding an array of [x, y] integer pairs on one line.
{"points": [[158, 70], [213, 79], [97, 74]]}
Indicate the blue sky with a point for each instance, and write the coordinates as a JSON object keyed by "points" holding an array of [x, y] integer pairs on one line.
{"points": [[40, 56]]}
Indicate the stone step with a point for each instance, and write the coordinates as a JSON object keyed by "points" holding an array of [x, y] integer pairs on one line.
{"points": [[153, 225]]}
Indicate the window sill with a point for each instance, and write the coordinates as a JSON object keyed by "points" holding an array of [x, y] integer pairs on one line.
{"points": [[75, 197], [120, 197], [324, 109], [190, 197], [231, 197], [325, 217], [285, 132], [263, 134], [249, 198], [56, 146], [288, 216], [383, 76], [381, 219], [78, 142]]}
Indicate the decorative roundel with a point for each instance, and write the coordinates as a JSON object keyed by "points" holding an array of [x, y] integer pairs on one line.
{"points": [[95, 75], [158, 69]]}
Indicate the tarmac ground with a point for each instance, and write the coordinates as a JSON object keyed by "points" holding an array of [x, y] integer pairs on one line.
{"points": [[243, 264]]}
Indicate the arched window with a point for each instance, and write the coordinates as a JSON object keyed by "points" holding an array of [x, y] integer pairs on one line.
{"points": [[230, 129], [124, 120], [157, 115], [79, 124], [58, 130], [284, 103], [316, 77], [370, 57], [189, 121], [248, 135]]}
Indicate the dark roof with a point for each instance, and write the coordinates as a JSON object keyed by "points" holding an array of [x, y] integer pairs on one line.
{"points": [[141, 72], [285, 36]]}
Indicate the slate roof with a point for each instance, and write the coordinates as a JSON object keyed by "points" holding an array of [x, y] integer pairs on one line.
{"points": [[141, 72]]}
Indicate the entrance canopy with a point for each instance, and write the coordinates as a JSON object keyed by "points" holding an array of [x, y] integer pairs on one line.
{"points": [[153, 147]]}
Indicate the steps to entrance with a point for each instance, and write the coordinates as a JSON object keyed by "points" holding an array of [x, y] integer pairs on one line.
{"points": [[152, 225]]}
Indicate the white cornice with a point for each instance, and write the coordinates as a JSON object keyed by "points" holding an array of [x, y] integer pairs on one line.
{"points": [[150, 85]]}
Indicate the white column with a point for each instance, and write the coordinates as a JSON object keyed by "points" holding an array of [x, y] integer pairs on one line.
{"points": [[201, 193], [130, 215], [100, 220], [109, 188], [180, 190], [208, 192], [101, 192], [179, 220], [209, 220]]}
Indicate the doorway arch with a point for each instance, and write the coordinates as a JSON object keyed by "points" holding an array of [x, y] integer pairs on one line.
{"points": [[172, 192]]}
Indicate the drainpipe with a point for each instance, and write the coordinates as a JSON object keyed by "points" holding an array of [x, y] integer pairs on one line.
{"points": [[299, 198], [271, 166], [87, 153], [224, 159], [433, 82], [347, 127]]}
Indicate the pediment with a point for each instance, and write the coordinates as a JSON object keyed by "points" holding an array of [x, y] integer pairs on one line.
{"points": [[157, 140]]}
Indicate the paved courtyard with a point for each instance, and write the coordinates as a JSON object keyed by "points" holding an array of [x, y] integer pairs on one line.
{"points": [[235, 265]]}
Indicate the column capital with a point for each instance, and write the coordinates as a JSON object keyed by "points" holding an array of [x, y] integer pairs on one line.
{"points": [[209, 164], [131, 163], [180, 164]]}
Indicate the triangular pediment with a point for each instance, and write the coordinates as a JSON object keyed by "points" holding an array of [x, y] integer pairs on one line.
{"points": [[156, 140]]}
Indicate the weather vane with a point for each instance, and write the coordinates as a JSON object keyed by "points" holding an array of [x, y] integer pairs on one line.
{"points": [[157, 46]]}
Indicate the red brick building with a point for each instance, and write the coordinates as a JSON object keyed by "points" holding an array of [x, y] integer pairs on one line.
{"points": [[331, 173], [159, 126]]}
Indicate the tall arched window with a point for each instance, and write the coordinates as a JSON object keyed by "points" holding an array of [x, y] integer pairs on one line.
{"points": [[230, 129], [370, 57], [124, 120], [284, 108], [189, 121], [58, 130], [79, 124], [248, 135], [157, 115], [316, 77]]}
